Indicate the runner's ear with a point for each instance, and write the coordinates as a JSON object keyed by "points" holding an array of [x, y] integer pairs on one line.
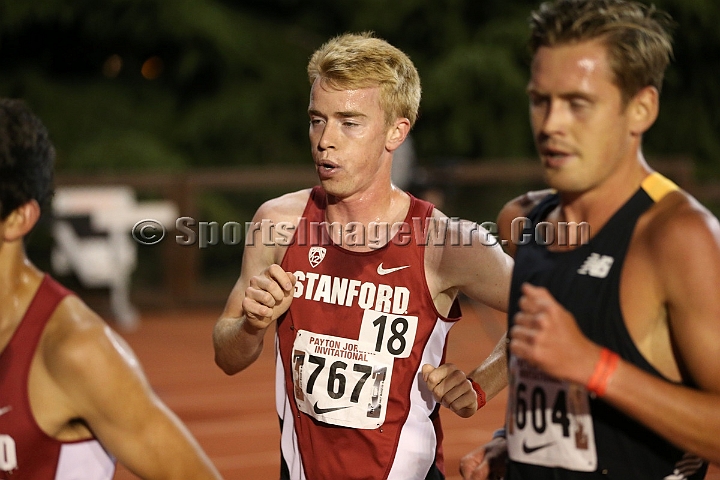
{"points": [[397, 133], [643, 110], [21, 221]]}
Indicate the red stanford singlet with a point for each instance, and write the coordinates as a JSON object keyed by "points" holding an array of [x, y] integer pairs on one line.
{"points": [[26, 452], [349, 352]]}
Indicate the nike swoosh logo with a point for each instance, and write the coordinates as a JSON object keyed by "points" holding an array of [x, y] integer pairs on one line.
{"points": [[385, 271], [529, 450], [4, 410], [320, 411]]}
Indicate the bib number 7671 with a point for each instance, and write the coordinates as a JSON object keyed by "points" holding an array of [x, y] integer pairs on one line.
{"points": [[336, 381]]}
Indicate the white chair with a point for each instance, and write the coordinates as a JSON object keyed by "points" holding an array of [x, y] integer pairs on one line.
{"points": [[92, 231]]}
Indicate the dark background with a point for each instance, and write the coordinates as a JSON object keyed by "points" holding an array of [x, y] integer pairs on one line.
{"points": [[177, 87], [225, 81]]}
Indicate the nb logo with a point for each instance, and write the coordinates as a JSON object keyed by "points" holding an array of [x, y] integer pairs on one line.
{"points": [[596, 265]]}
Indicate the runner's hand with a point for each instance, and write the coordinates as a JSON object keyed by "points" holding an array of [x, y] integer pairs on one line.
{"points": [[268, 296], [486, 462], [451, 388]]}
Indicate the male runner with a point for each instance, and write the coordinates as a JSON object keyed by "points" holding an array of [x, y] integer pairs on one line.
{"points": [[362, 294], [613, 370], [73, 399]]}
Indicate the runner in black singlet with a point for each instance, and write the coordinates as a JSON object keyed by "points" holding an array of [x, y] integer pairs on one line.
{"points": [[612, 367]]}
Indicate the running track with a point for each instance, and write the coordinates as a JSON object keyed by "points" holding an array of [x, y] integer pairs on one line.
{"points": [[234, 418]]}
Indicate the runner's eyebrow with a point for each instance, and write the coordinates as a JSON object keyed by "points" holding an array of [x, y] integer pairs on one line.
{"points": [[344, 114], [350, 114]]}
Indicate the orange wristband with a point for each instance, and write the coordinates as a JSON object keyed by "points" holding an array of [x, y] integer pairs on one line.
{"points": [[480, 393], [604, 369]]}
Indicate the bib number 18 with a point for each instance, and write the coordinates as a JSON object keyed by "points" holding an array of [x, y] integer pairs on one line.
{"points": [[387, 333]]}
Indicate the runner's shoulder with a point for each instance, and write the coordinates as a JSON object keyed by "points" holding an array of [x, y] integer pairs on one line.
{"points": [[285, 208], [522, 205], [677, 219]]}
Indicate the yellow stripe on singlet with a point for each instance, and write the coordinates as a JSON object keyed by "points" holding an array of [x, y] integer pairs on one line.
{"points": [[657, 186]]}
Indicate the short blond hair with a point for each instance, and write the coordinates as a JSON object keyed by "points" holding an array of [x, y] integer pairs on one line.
{"points": [[362, 60]]}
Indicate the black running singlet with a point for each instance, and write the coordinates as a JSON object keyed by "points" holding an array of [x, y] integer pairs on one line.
{"points": [[555, 429]]}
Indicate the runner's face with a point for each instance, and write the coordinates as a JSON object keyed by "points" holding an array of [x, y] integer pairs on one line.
{"points": [[579, 122], [348, 137]]}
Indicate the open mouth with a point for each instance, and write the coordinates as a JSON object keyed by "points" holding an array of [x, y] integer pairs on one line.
{"points": [[326, 165], [554, 157], [326, 169]]}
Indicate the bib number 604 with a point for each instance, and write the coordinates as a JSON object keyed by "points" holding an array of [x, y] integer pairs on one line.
{"points": [[532, 406]]}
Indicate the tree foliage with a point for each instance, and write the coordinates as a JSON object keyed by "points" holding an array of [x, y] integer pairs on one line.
{"points": [[226, 80]]}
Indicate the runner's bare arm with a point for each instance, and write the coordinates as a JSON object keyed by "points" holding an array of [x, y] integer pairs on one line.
{"points": [[491, 375], [99, 381], [470, 261], [688, 251], [483, 463], [476, 266], [261, 294]]}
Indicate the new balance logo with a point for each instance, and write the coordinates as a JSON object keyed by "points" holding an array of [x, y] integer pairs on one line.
{"points": [[596, 265]]}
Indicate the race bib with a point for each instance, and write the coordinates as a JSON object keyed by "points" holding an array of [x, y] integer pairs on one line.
{"points": [[387, 333], [339, 381], [549, 421]]}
